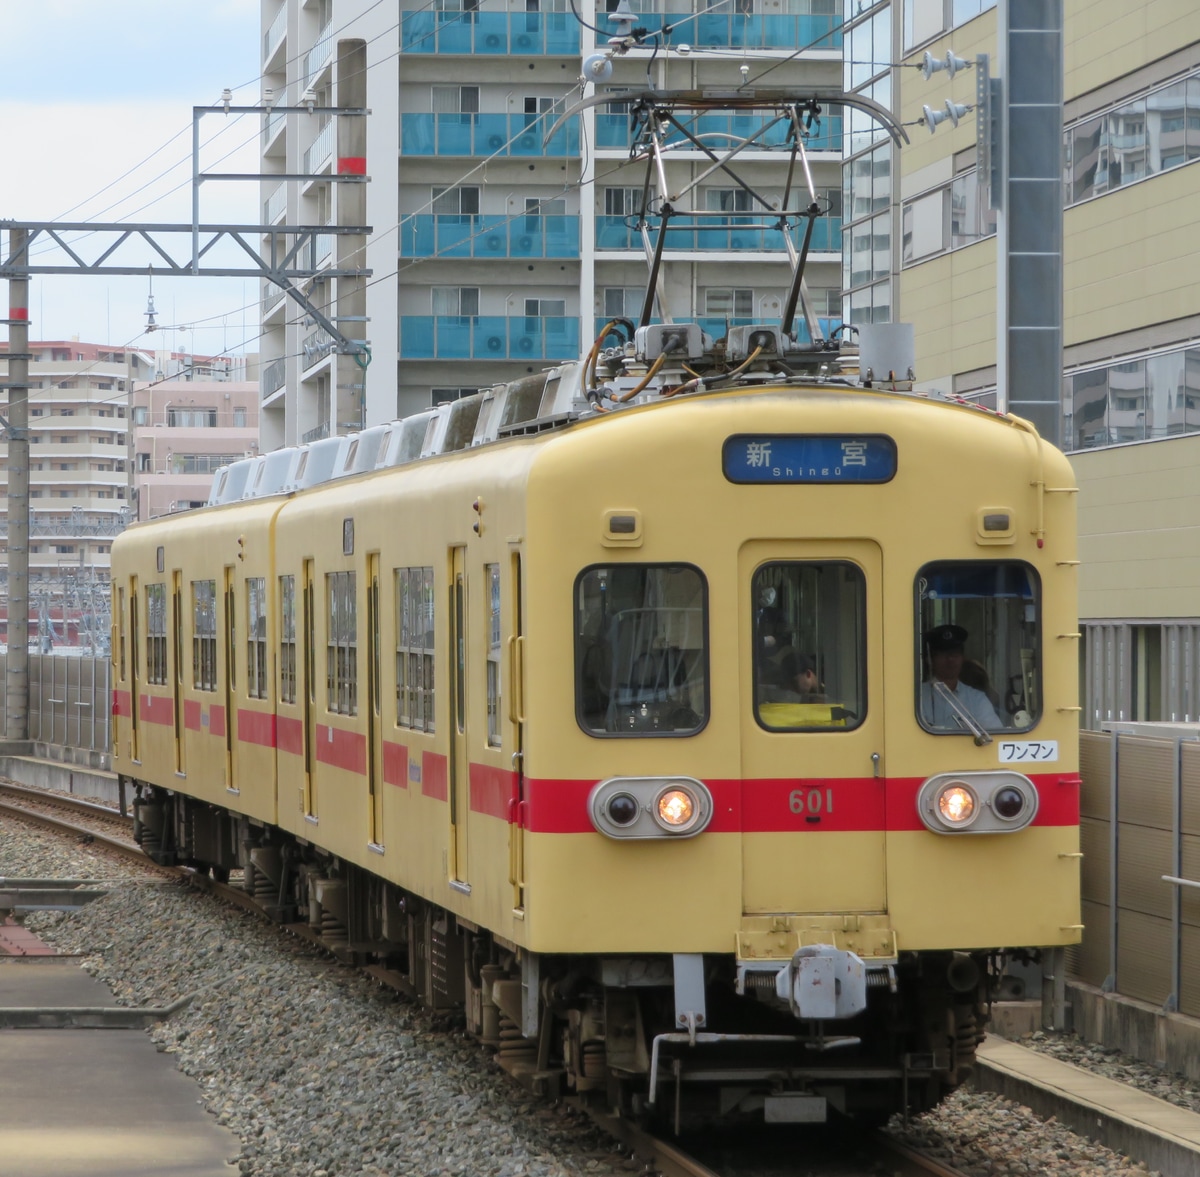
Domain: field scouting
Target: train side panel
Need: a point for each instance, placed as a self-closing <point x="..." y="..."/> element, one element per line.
<point x="419" y="783"/>
<point x="201" y="729"/>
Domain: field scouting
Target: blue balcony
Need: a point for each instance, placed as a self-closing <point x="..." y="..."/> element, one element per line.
<point x="453" y="235"/>
<point x="738" y="235"/>
<point x="744" y="31"/>
<point x="719" y="130"/>
<point x="492" y="33"/>
<point x="724" y="30"/>
<point x="488" y="337"/>
<point x="486" y="135"/>
<point x="718" y="326"/>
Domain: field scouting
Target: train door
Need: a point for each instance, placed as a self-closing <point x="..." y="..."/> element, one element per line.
<point x="374" y="729"/>
<point x="516" y="715"/>
<point x="308" y="688"/>
<point x="135" y="701"/>
<point x="231" y="782"/>
<point x="812" y="727"/>
<point x="177" y="650"/>
<point x="460" y="767"/>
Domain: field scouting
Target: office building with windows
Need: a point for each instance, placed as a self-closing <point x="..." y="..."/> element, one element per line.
<point x="921" y="247"/>
<point x="497" y="247"/>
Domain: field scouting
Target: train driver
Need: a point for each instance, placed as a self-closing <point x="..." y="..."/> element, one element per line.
<point x="944" y="646"/>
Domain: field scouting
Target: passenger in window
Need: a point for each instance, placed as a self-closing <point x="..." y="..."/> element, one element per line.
<point x="945" y="649"/>
<point x="784" y="672"/>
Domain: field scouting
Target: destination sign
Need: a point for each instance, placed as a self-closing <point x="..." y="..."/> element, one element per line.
<point x="754" y="458"/>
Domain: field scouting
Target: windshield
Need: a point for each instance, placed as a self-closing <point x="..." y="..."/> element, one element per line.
<point x="979" y="647"/>
<point x="641" y="660"/>
<point x="809" y="645"/>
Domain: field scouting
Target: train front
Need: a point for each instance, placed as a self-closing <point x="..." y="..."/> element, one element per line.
<point x="803" y="789"/>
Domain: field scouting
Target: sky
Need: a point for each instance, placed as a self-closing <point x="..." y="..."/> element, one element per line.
<point x="95" y="106"/>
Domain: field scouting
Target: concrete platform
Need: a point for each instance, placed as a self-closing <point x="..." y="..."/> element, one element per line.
<point x="1114" y="1114"/>
<point x="95" y="1103"/>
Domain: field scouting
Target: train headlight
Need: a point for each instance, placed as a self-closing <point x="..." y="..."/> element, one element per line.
<point x="956" y="804"/>
<point x="999" y="802"/>
<point x="676" y="809"/>
<point x="650" y="807"/>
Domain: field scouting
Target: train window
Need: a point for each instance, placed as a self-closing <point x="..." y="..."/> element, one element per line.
<point x="979" y="652"/>
<point x="287" y="639"/>
<point x="641" y="650"/>
<point x="341" y="668"/>
<point x="156" y="633"/>
<point x="256" y="637"/>
<point x="491" y="573"/>
<point x="204" y="635"/>
<point x="810" y="648"/>
<point x="414" y="648"/>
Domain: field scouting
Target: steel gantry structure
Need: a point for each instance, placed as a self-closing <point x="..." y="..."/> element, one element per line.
<point x="284" y="255"/>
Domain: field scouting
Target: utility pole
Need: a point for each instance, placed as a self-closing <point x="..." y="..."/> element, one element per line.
<point x="16" y="684"/>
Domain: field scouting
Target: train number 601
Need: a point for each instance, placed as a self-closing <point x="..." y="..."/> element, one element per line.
<point x="811" y="801"/>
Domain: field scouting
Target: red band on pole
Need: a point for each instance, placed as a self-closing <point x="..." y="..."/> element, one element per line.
<point x="18" y="312"/>
<point x="352" y="165"/>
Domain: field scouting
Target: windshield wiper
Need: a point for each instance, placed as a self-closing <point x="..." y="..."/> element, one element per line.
<point x="962" y="714"/>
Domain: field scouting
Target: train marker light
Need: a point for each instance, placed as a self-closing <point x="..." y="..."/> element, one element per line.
<point x="997" y="802"/>
<point x="623" y="809"/>
<point x="1008" y="802"/>
<point x="650" y="807"/>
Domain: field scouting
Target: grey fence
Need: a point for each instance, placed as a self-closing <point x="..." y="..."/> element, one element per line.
<point x="69" y="701"/>
<point x="1140" y="836"/>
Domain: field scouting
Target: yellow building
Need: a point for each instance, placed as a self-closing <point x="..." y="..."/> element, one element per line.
<point x="1131" y="301"/>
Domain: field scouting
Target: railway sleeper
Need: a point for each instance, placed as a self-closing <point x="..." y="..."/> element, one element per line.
<point x="613" y="1031"/>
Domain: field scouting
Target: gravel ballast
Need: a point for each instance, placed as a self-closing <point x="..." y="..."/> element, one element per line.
<point x="322" y="1072"/>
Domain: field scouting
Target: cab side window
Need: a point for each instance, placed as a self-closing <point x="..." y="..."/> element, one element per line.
<point x="979" y="660"/>
<point x="810" y="645"/>
<point x="641" y="650"/>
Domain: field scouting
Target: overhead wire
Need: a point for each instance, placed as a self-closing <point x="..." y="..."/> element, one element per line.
<point x="460" y="181"/>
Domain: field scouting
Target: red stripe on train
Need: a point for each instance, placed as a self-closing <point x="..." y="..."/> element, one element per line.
<point x="433" y="776"/>
<point x="289" y="734"/>
<point x="216" y="719"/>
<point x="157" y="709"/>
<point x="787" y="805"/>
<point x="256" y="727"/>
<point x="492" y="791"/>
<point x="341" y="749"/>
<point x="191" y="715"/>
<point x="395" y="764"/>
<point x="122" y="703"/>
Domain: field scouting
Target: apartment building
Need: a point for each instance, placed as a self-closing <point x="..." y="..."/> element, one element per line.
<point x="921" y="246"/>
<point x="496" y="249"/>
<point x="183" y="431"/>
<point x="81" y="474"/>
<point x="78" y="460"/>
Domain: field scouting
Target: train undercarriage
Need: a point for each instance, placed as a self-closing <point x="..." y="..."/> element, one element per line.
<point x="620" y="1031"/>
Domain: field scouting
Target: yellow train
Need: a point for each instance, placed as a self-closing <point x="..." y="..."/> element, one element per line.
<point x="713" y="751"/>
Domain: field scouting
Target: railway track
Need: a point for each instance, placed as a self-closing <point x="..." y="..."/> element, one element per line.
<point x="106" y="827"/>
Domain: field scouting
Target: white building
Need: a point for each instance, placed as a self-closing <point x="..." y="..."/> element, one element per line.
<point x="494" y="252"/>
